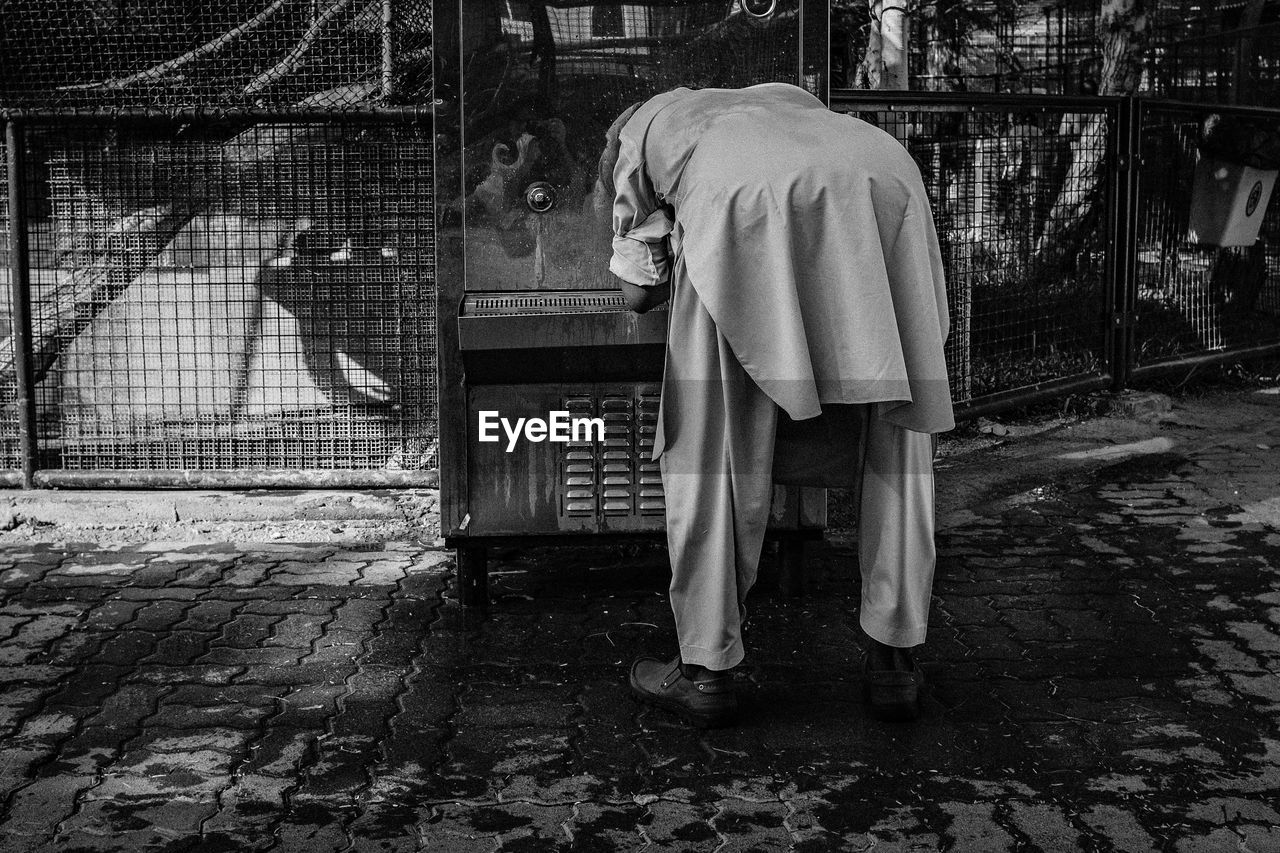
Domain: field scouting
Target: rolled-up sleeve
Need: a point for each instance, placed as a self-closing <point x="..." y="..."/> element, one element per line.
<point x="641" y="225"/>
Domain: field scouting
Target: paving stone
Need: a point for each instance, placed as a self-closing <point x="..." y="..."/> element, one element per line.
<point x="110" y="615"/>
<point x="901" y="829"/>
<point x="251" y="657"/>
<point x="292" y="606"/>
<point x="208" y="615"/>
<point x="973" y="827"/>
<point x="36" y="809"/>
<point x="196" y="673"/>
<point x="26" y="674"/>
<point x="128" y="705"/>
<point x="385" y="827"/>
<point x="160" y="820"/>
<point x="1234" y="809"/>
<point x="178" y="742"/>
<point x="246" y="631"/>
<point x="1046" y="826"/>
<point x="163" y="593"/>
<point x="745" y="825"/>
<point x="1213" y="841"/>
<point x="237" y="716"/>
<point x="316" y="828"/>
<point x="452" y="833"/>
<point x="296" y="674"/>
<point x="1259" y="838"/>
<point x="308" y="705"/>
<point x="1120" y="828"/>
<point x="298" y="631"/>
<point x="127" y="647"/>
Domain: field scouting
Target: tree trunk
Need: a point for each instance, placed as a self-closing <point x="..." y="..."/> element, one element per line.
<point x="1122" y="30"/>
<point x="893" y="44"/>
<point x="944" y="39"/>
<point x="872" y="67"/>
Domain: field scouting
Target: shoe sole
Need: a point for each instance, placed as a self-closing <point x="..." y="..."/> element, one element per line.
<point x="702" y="721"/>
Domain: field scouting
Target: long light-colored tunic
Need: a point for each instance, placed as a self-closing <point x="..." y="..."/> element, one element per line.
<point x="805" y="272"/>
<point x="806" y="234"/>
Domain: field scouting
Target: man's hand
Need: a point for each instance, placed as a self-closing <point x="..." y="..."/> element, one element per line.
<point x="641" y="299"/>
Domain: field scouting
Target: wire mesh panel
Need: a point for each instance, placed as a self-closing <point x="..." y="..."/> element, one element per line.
<point x="1194" y="60"/>
<point x="1208" y="243"/>
<point x="1019" y="200"/>
<point x="175" y="53"/>
<point x="231" y="295"/>
<point x="10" y="457"/>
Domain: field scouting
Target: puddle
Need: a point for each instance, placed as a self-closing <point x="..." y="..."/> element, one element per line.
<point x="1161" y="444"/>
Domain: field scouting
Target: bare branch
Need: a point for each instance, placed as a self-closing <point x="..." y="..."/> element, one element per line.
<point x="207" y="49"/>
<point x="300" y="50"/>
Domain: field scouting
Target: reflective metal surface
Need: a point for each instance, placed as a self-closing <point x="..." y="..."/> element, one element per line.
<point x="538" y="86"/>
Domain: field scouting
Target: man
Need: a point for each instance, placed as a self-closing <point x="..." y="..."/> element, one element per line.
<point x="798" y="251"/>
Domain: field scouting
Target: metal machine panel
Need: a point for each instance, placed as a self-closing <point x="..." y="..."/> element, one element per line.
<point x="586" y="486"/>
<point x="542" y="82"/>
<point x="530" y="320"/>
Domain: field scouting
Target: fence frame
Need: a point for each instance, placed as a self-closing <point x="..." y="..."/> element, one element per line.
<point x="31" y="475"/>
<point x="1192" y="361"/>
<point x="1120" y="286"/>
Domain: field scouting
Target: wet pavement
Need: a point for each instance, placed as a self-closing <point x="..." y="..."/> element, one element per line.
<point x="1103" y="662"/>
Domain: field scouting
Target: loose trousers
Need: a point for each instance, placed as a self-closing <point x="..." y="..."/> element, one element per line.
<point x="716" y="457"/>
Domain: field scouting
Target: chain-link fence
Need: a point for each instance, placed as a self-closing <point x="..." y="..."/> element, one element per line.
<point x="235" y="293"/>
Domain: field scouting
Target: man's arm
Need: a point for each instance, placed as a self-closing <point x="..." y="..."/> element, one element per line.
<point x="641" y="223"/>
<point x="641" y="299"/>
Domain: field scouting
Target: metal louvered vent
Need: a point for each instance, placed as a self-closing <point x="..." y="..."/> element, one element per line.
<point x="613" y="479"/>
<point x="548" y="302"/>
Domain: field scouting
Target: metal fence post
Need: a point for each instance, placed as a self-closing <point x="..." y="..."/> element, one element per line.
<point x="20" y="295"/>
<point x="1124" y="238"/>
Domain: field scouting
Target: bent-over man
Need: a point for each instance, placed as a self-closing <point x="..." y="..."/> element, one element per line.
<point x="798" y="251"/>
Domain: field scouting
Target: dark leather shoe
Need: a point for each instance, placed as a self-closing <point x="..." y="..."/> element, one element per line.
<point x="708" y="700"/>
<point x="892" y="694"/>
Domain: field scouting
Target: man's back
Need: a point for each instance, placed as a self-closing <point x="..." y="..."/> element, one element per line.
<point x="808" y="238"/>
<point x="772" y="134"/>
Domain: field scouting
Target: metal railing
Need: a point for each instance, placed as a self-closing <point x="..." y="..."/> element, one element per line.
<point x="248" y="299"/>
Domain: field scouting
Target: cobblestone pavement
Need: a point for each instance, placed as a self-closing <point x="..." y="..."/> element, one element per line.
<point x="1103" y="662"/>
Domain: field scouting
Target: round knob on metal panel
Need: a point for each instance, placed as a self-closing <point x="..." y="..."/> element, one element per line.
<point x="759" y="8"/>
<point x="540" y="197"/>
